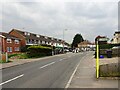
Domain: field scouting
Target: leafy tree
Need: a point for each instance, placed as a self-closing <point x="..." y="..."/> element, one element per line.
<point x="76" y="40"/>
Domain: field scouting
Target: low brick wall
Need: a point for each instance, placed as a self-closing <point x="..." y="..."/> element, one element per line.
<point x="110" y="70"/>
<point x="115" y="52"/>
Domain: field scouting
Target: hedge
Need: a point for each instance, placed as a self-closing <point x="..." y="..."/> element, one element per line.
<point x="39" y="51"/>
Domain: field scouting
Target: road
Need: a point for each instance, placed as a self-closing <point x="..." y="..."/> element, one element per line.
<point x="53" y="72"/>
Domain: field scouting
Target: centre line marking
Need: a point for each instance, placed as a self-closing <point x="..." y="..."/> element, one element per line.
<point x="11" y="79"/>
<point x="47" y="65"/>
<point x="60" y="59"/>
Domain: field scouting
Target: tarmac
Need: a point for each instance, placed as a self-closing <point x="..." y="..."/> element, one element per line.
<point x="85" y="75"/>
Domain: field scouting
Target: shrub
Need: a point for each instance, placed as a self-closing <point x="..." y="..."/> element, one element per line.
<point x="39" y="51"/>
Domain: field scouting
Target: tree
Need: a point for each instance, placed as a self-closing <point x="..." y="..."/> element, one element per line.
<point x="76" y="40"/>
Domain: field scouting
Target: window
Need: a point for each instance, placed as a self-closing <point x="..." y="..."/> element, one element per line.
<point x="46" y="37"/>
<point x="27" y="33"/>
<point x="43" y="42"/>
<point x="16" y="41"/>
<point x="38" y="36"/>
<point x="17" y="49"/>
<point x="9" y="41"/>
<point x="9" y="49"/>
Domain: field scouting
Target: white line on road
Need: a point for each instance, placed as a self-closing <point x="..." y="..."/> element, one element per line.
<point x="47" y="65"/>
<point x="71" y="77"/>
<point x="64" y="58"/>
<point x="60" y="59"/>
<point x="11" y="79"/>
<point x="68" y="84"/>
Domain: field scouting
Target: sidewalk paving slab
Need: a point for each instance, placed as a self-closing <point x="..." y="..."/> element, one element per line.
<point x="85" y="76"/>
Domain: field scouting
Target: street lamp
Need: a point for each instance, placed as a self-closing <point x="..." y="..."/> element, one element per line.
<point x="63" y="38"/>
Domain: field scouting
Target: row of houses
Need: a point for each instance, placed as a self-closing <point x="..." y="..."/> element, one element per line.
<point x="13" y="41"/>
<point x="102" y="40"/>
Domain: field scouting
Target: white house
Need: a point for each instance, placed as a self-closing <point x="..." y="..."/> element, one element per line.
<point x="116" y="38"/>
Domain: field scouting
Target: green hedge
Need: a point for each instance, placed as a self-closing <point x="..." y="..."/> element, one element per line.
<point x="39" y="51"/>
<point x="106" y="46"/>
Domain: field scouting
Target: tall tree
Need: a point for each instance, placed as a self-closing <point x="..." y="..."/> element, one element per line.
<point x="76" y="40"/>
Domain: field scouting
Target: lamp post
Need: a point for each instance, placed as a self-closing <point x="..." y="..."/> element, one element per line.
<point x="63" y="38"/>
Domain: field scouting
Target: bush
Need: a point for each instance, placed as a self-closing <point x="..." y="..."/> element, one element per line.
<point x="106" y="46"/>
<point x="24" y="48"/>
<point x="12" y="55"/>
<point x="39" y="51"/>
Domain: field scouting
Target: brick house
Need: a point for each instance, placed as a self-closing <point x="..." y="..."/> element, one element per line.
<point x="28" y="38"/>
<point x="10" y="43"/>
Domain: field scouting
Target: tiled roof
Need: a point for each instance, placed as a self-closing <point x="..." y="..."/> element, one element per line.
<point x="33" y="36"/>
<point x="8" y="35"/>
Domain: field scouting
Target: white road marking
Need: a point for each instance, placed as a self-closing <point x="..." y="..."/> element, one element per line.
<point x="71" y="77"/>
<point x="11" y="79"/>
<point x="60" y="59"/>
<point x="47" y="65"/>
<point x="68" y="84"/>
<point x="64" y="58"/>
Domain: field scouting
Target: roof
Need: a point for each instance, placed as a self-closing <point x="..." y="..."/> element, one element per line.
<point x="33" y="36"/>
<point x="117" y="32"/>
<point x="7" y="35"/>
<point x="85" y="42"/>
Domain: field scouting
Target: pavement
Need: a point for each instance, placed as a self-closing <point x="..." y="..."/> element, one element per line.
<point x="84" y="76"/>
<point x="15" y="62"/>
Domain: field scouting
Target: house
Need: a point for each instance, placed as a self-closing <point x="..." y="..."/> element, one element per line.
<point x="28" y="38"/>
<point x="86" y="45"/>
<point x="116" y="38"/>
<point x="9" y="43"/>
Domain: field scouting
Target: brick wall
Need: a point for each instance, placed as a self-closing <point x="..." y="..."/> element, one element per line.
<point x="16" y="34"/>
<point x="12" y="45"/>
<point x="115" y="52"/>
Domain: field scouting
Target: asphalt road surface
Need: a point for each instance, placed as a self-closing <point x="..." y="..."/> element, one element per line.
<point x="53" y="72"/>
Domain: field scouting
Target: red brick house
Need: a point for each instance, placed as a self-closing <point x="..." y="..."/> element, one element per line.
<point x="28" y="38"/>
<point x="10" y="43"/>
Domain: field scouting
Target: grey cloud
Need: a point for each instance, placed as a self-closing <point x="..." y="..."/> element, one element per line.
<point x="89" y="19"/>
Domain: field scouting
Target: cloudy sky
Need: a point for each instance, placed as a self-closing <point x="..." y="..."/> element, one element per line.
<point x="52" y="18"/>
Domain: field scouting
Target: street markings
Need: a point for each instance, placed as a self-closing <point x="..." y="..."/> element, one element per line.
<point x="47" y="65"/>
<point x="12" y="79"/>
<point x="68" y="83"/>
<point x="61" y="59"/>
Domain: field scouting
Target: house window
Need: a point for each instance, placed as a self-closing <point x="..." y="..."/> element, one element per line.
<point x="38" y="36"/>
<point x="43" y="42"/>
<point x="9" y="41"/>
<point x="27" y="33"/>
<point x="46" y="37"/>
<point x="9" y="49"/>
<point x="17" y="49"/>
<point x="16" y="41"/>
